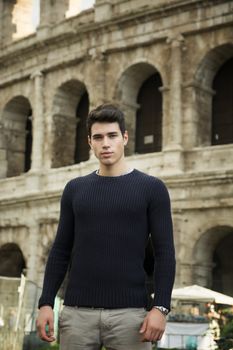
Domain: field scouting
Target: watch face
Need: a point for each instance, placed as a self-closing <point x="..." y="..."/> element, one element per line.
<point x="162" y="309"/>
<point x="165" y="311"/>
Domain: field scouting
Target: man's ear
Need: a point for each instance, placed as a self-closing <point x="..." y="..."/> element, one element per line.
<point x="89" y="141"/>
<point x="126" y="137"/>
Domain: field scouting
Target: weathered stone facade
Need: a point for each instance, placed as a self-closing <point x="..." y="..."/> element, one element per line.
<point x="103" y="54"/>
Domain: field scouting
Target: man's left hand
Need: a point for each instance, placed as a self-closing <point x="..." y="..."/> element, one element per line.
<point x="153" y="326"/>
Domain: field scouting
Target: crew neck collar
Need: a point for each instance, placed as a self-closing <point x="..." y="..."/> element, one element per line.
<point x="114" y="176"/>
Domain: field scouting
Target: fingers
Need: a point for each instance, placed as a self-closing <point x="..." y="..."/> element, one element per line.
<point x="152" y="335"/>
<point x="44" y="324"/>
<point x="50" y="330"/>
<point x="153" y="327"/>
<point x="45" y="333"/>
<point x="143" y="327"/>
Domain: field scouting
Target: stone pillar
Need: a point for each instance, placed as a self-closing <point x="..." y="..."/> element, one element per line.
<point x="103" y="10"/>
<point x="51" y="13"/>
<point x="175" y="108"/>
<point x="38" y="125"/>
<point x="7" y="27"/>
<point x="98" y="64"/>
<point x="197" y="125"/>
<point x="172" y="145"/>
<point x="165" y="108"/>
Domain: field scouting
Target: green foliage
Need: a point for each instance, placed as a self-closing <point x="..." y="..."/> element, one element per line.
<point x="227" y="330"/>
<point x="226" y="340"/>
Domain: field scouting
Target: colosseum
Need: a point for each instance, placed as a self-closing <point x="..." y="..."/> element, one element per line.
<point x="169" y="65"/>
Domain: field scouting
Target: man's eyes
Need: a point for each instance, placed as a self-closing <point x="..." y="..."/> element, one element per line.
<point x="99" y="137"/>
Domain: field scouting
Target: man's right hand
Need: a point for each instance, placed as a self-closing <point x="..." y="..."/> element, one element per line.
<point x="44" y="323"/>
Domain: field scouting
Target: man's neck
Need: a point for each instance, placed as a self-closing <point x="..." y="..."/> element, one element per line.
<point x="113" y="170"/>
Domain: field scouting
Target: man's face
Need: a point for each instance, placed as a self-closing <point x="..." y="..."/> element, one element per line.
<point x="107" y="142"/>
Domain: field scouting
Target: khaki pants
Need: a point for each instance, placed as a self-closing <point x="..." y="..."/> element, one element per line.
<point x="89" y="329"/>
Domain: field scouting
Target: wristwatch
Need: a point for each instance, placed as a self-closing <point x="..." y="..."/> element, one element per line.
<point x="162" y="309"/>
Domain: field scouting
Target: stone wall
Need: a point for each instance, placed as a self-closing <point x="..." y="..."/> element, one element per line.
<point x="107" y="52"/>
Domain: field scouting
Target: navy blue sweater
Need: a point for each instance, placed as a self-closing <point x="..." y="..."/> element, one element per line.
<point x="103" y="230"/>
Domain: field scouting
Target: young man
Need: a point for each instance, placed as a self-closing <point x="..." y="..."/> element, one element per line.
<point x="104" y="224"/>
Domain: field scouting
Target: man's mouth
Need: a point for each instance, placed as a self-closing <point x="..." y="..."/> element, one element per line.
<point x="106" y="153"/>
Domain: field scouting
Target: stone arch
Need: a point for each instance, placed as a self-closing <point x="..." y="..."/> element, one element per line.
<point x="203" y="83"/>
<point x="17" y="136"/>
<point x="212" y="259"/>
<point x="127" y="90"/>
<point x="70" y="109"/>
<point x="12" y="261"/>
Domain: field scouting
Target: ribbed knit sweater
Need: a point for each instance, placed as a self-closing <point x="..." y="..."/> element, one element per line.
<point x="102" y="232"/>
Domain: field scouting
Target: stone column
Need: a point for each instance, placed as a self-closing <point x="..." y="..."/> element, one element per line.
<point x="97" y="64"/>
<point x="51" y="13"/>
<point x="38" y="124"/>
<point x="172" y="146"/>
<point x="175" y="108"/>
<point x="197" y="126"/>
<point x="7" y="27"/>
<point x="165" y="123"/>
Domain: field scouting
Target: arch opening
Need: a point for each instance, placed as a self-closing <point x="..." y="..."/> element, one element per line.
<point x="149" y="116"/>
<point x="138" y="91"/>
<point x="210" y="96"/>
<point x="81" y="144"/>
<point x="213" y="260"/>
<point x="17" y="136"/>
<point x="12" y="262"/>
<point x="222" y="105"/>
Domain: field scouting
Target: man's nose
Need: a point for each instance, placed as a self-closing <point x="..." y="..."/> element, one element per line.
<point x="105" y="142"/>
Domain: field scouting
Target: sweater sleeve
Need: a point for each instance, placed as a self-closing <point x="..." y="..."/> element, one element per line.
<point x="60" y="253"/>
<point x="161" y="230"/>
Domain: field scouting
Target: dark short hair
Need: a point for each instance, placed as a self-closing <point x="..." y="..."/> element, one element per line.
<point x="106" y="113"/>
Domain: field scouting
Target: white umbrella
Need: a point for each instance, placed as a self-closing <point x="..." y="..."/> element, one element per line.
<point x="198" y="293"/>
